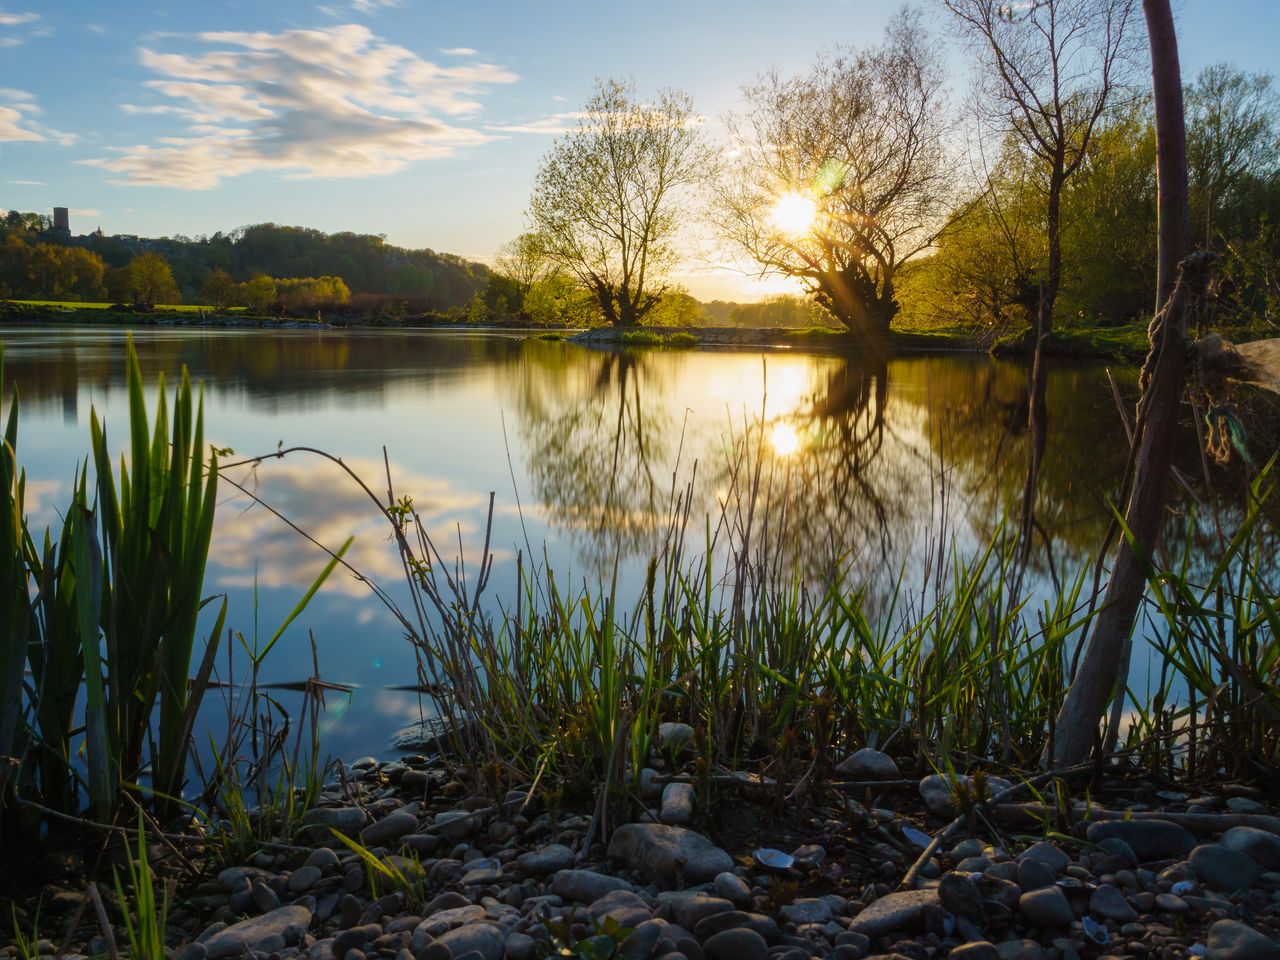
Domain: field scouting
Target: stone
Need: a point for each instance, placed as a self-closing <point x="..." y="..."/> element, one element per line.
<point x="585" y="886"/>
<point x="240" y="938"/>
<point x="319" y="821"/>
<point x="449" y="900"/>
<point x="323" y="859"/>
<point x="677" y="804"/>
<point x="1262" y="845"/>
<point x="354" y="939"/>
<point x="1048" y="907"/>
<point x="546" y="861"/>
<point x="1109" y="903"/>
<point x="868" y="764"/>
<point x="1245" y="805"/>
<point x="1170" y="903"/>
<point x="807" y="910"/>
<point x="674" y="738"/>
<point x="1233" y="940"/>
<point x="1149" y="839"/>
<point x="689" y="907"/>
<point x="232" y="879"/>
<point x="388" y="830"/>
<point x="663" y="854"/>
<point x="1047" y="854"/>
<point x="264" y="898"/>
<point x="626" y="908"/>
<point x="640" y="943"/>
<point x="455" y="824"/>
<point x="740" y="944"/>
<point x="1034" y="875"/>
<point x="1118" y="848"/>
<point x="733" y="888"/>
<point x="938" y="793"/>
<point x="767" y="927"/>
<point x="1020" y="950"/>
<point x="960" y="896"/>
<point x="303" y="879"/>
<point x="486" y="939"/>
<point x="897" y="911"/>
<point x="521" y="946"/>
<point x="809" y="856"/>
<point x="977" y="950"/>
<point x="435" y="950"/>
<point x="1219" y="867"/>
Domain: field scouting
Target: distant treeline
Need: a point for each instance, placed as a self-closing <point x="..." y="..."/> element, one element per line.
<point x="38" y="263"/>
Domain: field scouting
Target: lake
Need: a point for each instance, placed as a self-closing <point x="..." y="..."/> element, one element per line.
<point x="585" y="451"/>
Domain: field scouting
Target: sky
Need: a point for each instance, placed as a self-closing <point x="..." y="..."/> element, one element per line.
<point x="422" y="120"/>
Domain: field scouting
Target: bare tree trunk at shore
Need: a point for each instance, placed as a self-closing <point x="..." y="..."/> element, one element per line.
<point x="1104" y="668"/>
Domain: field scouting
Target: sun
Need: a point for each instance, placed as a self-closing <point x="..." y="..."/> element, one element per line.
<point x="784" y="439"/>
<point x="794" y="213"/>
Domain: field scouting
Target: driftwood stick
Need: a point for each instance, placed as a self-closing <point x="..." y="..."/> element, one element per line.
<point x="1195" y="822"/>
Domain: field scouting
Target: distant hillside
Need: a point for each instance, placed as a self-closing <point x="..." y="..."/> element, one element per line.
<point x="368" y="264"/>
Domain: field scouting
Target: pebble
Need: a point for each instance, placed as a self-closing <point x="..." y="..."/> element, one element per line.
<point x="486" y="939"/>
<point x="677" y="804"/>
<point x="664" y="854"/>
<point x="1109" y="903"/>
<point x="1034" y="875"/>
<point x="244" y="936"/>
<point x="1148" y="839"/>
<point x="868" y="764"/>
<point x="1262" y="845"/>
<point x="1221" y="868"/>
<point x="897" y="911"/>
<point x="733" y="888"/>
<point x="977" y="950"/>
<point x="1232" y="940"/>
<point x="1048" y="907"/>
<point x="545" y="861"/>
<point x="388" y="829"/>
<point x="585" y="886"/>
<point x="739" y="944"/>
<point x="1047" y="854"/>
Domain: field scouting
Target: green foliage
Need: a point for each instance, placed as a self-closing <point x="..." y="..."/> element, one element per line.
<point x="601" y="943"/>
<point x="641" y="338"/>
<point x="146" y="918"/>
<point x="780" y="310"/>
<point x="151" y="281"/>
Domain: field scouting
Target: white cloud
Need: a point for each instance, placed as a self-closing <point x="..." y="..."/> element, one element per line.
<point x="27" y="183"/>
<point x="16" y="38"/>
<point x="17" y="19"/>
<point x="84" y="212"/>
<point x="18" y="123"/>
<point x="556" y="123"/>
<point x="333" y="102"/>
<point x="458" y="51"/>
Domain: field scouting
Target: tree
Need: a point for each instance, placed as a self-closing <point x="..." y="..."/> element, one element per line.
<point x="523" y="262"/>
<point x="1231" y="137"/>
<point x="258" y="293"/>
<point x="678" y="308"/>
<point x="151" y="281"/>
<point x="1047" y="74"/>
<point x="218" y="289"/>
<point x="610" y="196"/>
<point x="841" y="176"/>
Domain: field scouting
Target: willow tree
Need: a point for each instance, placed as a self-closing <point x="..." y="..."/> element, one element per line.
<point x="840" y="176"/>
<point x="1046" y="73"/>
<point x="610" y="196"/>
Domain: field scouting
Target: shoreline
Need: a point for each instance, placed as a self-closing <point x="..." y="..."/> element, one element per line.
<point x="724" y="868"/>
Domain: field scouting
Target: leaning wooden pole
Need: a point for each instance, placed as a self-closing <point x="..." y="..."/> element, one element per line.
<point x="1104" y="666"/>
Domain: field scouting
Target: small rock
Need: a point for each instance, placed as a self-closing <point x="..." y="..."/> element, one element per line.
<point x="585" y="886"/>
<point x="1047" y="854"/>
<point x="264" y="898"/>
<point x="1245" y="805"/>
<point x="626" y="908"/>
<point x="1034" y="875"/>
<point x="544" y="862"/>
<point x="807" y="910"/>
<point x="733" y="888"/>
<point x="1149" y="839"/>
<point x="319" y="821"/>
<point x="1232" y="940"/>
<point x="740" y="944"/>
<point x="1262" y="845"/>
<point x="641" y="941"/>
<point x="897" y="911"/>
<point x="244" y="936"/>
<point x="1048" y="907"/>
<point x="486" y="939"/>
<point x="767" y="927"/>
<point x="959" y="896"/>
<point x="388" y="830"/>
<point x="977" y="950"/>
<point x="661" y="853"/>
<point x="1109" y="903"/>
<point x="1170" y="903"/>
<point x="1221" y="868"/>
<point x="521" y="947"/>
<point x="809" y="856"/>
<point x="677" y="804"/>
<point x="868" y="764"/>
<point x="675" y="738"/>
<point x="303" y="879"/>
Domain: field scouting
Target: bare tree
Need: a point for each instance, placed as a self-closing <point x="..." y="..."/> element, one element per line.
<point x="607" y="201"/>
<point x="1047" y="74"/>
<point x="839" y="177"/>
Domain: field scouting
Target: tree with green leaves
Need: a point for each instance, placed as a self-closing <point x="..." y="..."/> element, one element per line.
<point x="611" y="195"/>
<point x="218" y="289"/>
<point x="151" y="281"/>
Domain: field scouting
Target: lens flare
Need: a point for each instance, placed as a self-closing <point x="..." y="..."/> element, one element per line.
<point x="794" y="213"/>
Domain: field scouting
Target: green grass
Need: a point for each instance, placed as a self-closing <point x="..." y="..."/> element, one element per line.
<point x="651" y="339"/>
<point x="1120" y="343"/>
<point x="77" y="305"/>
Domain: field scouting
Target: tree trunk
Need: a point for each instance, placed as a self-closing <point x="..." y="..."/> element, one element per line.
<point x="1104" y="667"/>
<point x="1053" y="230"/>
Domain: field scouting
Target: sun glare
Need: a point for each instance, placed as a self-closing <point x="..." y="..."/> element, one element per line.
<point x="794" y="213"/>
<point x="784" y="439"/>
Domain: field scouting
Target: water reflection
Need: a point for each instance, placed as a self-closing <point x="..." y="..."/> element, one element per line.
<point x="856" y="461"/>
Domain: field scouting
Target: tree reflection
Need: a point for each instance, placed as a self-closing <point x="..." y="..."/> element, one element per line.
<point x="602" y="453"/>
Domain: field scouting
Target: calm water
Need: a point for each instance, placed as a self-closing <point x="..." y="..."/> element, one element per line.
<point x="583" y="450"/>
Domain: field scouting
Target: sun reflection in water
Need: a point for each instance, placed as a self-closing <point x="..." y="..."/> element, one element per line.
<point x="784" y="439"/>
